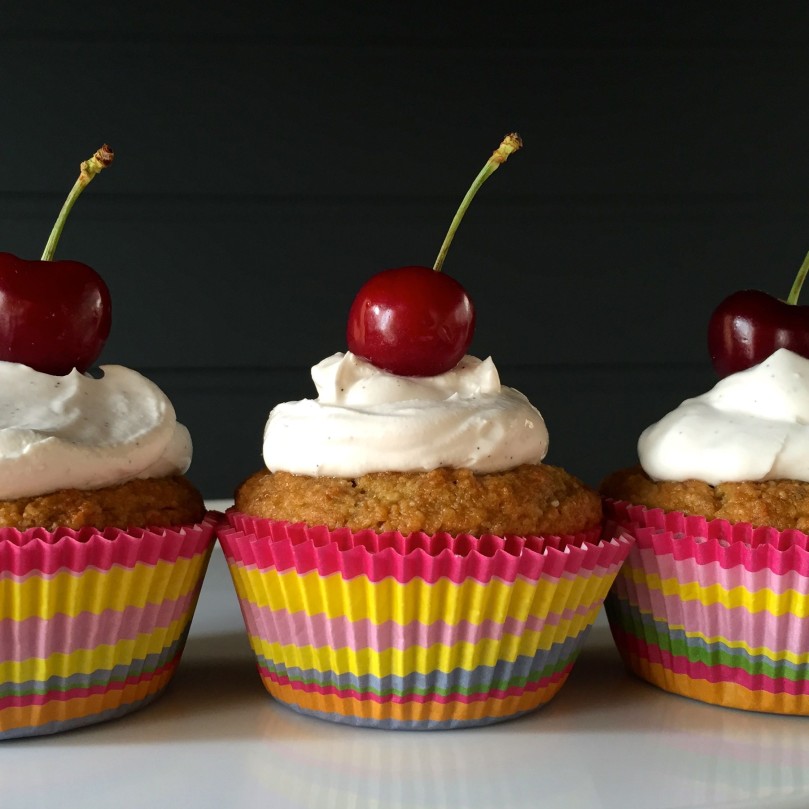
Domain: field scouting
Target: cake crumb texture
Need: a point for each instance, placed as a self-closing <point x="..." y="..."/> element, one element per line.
<point x="530" y="499"/>
<point x="138" y="503"/>
<point x="782" y="504"/>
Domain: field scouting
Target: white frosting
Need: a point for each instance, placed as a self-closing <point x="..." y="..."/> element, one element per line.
<point x="76" y="431"/>
<point x="752" y="425"/>
<point x="369" y="420"/>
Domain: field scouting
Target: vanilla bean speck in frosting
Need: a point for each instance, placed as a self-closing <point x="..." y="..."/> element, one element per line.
<point x="80" y="432"/>
<point x="368" y="420"/>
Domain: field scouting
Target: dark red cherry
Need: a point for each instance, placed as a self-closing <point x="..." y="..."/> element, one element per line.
<point x="54" y="315"/>
<point x="411" y="321"/>
<point x="749" y="325"/>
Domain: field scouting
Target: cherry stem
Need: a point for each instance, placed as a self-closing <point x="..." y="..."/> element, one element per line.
<point x="798" y="283"/>
<point x="499" y="156"/>
<point x="89" y="168"/>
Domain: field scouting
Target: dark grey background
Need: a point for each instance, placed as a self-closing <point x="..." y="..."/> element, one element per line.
<point x="271" y="156"/>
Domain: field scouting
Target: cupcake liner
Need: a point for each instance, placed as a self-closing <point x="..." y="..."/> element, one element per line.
<point x="418" y="631"/>
<point x="714" y="611"/>
<point x="93" y="622"/>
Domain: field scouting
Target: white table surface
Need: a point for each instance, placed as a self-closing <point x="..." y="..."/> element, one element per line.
<point x="216" y="739"/>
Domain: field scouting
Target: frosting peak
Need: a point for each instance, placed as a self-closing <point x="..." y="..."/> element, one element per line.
<point x="369" y="420"/>
<point x="752" y="425"/>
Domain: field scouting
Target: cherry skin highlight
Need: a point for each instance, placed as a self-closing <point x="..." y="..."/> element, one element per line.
<point x="54" y="315"/>
<point x="411" y="321"/>
<point x="749" y="325"/>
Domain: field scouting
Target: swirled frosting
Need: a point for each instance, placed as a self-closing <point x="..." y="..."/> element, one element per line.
<point x="368" y="420"/>
<point x="752" y="425"/>
<point x="80" y="432"/>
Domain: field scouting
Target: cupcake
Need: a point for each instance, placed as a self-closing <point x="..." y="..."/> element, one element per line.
<point x="103" y="546"/>
<point x="711" y="603"/>
<point x="103" y="542"/>
<point x="405" y="560"/>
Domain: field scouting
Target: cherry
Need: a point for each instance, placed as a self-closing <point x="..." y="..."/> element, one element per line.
<point x="411" y="321"/>
<point x="417" y="321"/>
<point x="749" y="325"/>
<point x="55" y="315"/>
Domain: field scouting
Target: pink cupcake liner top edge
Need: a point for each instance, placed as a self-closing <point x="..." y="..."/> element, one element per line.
<point x="707" y="541"/>
<point x="22" y="552"/>
<point x="405" y="557"/>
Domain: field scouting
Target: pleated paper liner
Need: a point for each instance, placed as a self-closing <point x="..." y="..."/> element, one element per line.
<point x="93" y="622"/>
<point x="417" y="632"/>
<point x="714" y="611"/>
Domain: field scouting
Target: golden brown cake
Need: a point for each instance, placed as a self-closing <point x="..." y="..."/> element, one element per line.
<point x="782" y="504"/>
<point x="528" y="500"/>
<point x="146" y="502"/>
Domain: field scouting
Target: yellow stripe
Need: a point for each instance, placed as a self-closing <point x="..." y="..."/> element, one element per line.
<point x="765" y="599"/>
<point x="389" y="600"/>
<point x="86" y="661"/>
<point x="98" y="590"/>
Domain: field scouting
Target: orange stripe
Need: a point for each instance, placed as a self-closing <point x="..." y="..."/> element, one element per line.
<point x="422" y="711"/>
<point x="79" y="707"/>
<point x="729" y="695"/>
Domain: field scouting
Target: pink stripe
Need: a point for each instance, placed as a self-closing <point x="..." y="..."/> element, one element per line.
<point x="785" y="633"/>
<point x="41" y="637"/>
<point x="712" y="674"/>
<point x="441" y="699"/>
<point x="300" y="629"/>
<point x="708" y="573"/>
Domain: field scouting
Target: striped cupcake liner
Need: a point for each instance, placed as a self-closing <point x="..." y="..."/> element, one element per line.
<point x="415" y="632"/>
<point x="93" y="622"/>
<point x="714" y="611"/>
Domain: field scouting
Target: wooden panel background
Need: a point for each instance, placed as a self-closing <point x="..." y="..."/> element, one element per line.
<point x="270" y="157"/>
